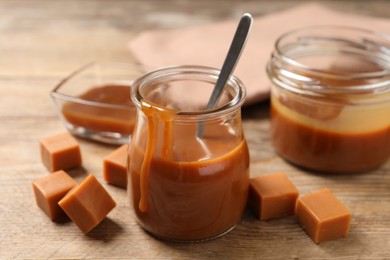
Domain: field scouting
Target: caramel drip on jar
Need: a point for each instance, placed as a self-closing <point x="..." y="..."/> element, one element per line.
<point x="155" y="114"/>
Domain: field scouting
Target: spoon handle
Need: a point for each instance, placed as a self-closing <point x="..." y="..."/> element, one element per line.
<point x="231" y="59"/>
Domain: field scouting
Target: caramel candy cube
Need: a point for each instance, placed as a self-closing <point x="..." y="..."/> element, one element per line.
<point x="87" y="204"/>
<point x="115" y="167"/>
<point x="50" y="189"/>
<point x="60" y="152"/>
<point x="323" y="216"/>
<point x="272" y="196"/>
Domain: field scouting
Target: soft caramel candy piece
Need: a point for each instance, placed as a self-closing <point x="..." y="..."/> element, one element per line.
<point x="87" y="204"/>
<point x="60" y="152"/>
<point x="322" y="215"/>
<point x="272" y="196"/>
<point x="115" y="167"/>
<point x="50" y="189"/>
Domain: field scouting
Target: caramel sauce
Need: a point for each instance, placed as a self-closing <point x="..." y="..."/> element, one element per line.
<point x="332" y="133"/>
<point x="103" y="118"/>
<point x="180" y="189"/>
<point x="325" y="150"/>
<point x="154" y="114"/>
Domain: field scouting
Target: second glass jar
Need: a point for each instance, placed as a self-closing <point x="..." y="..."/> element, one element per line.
<point x="330" y="98"/>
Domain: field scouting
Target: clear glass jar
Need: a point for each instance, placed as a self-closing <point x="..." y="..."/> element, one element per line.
<point x="330" y="98"/>
<point x="188" y="167"/>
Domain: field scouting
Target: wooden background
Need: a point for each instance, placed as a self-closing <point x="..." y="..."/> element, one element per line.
<point x="42" y="41"/>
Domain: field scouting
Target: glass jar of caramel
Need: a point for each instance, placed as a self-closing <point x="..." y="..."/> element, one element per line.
<point x="330" y="98"/>
<point x="188" y="166"/>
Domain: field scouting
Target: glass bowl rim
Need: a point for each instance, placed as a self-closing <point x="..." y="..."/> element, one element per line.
<point x="56" y="94"/>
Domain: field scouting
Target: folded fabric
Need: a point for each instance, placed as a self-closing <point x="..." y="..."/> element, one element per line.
<point x="207" y="45"/>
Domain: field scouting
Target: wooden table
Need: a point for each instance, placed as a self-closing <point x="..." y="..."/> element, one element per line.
<point x="42" y="41"/>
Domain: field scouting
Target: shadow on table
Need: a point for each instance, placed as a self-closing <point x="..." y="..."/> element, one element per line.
<point x="281" y="238"/>
<point x="78" y="172"/>
<point x="106" y="231"/>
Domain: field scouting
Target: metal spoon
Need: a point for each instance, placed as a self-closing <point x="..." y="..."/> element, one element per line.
<point x="230" y="62"/>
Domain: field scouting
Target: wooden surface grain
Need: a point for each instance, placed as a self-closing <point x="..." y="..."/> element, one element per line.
<point x="42" y="41"/>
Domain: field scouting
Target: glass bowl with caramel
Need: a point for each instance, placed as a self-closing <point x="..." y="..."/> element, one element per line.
<point x="330" y="98"/>
<point x="94" y="101"/>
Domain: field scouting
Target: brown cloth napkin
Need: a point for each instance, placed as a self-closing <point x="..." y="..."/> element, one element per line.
<point x="207" y="45"/>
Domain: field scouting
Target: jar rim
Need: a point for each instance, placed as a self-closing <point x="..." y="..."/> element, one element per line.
<point x="365" y="43"/>
<point x="236" y="101"/>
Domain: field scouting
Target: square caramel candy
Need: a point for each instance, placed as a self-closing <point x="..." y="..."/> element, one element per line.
<point x="60" y="152"/>
<point x="115" y="167"/>
<point x="50" y="189"/>
<point x="322" y="216"/>
<point x="272" y="196"/>
<point x="87" y="204"/>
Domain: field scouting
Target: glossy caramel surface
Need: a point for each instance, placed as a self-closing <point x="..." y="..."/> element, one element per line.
<point x="100" y="117"/>
<point x="331" y="141"/>
<point x="186" y="187"/>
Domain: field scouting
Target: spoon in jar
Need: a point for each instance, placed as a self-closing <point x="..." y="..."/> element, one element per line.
<point x="230" y="62"/>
